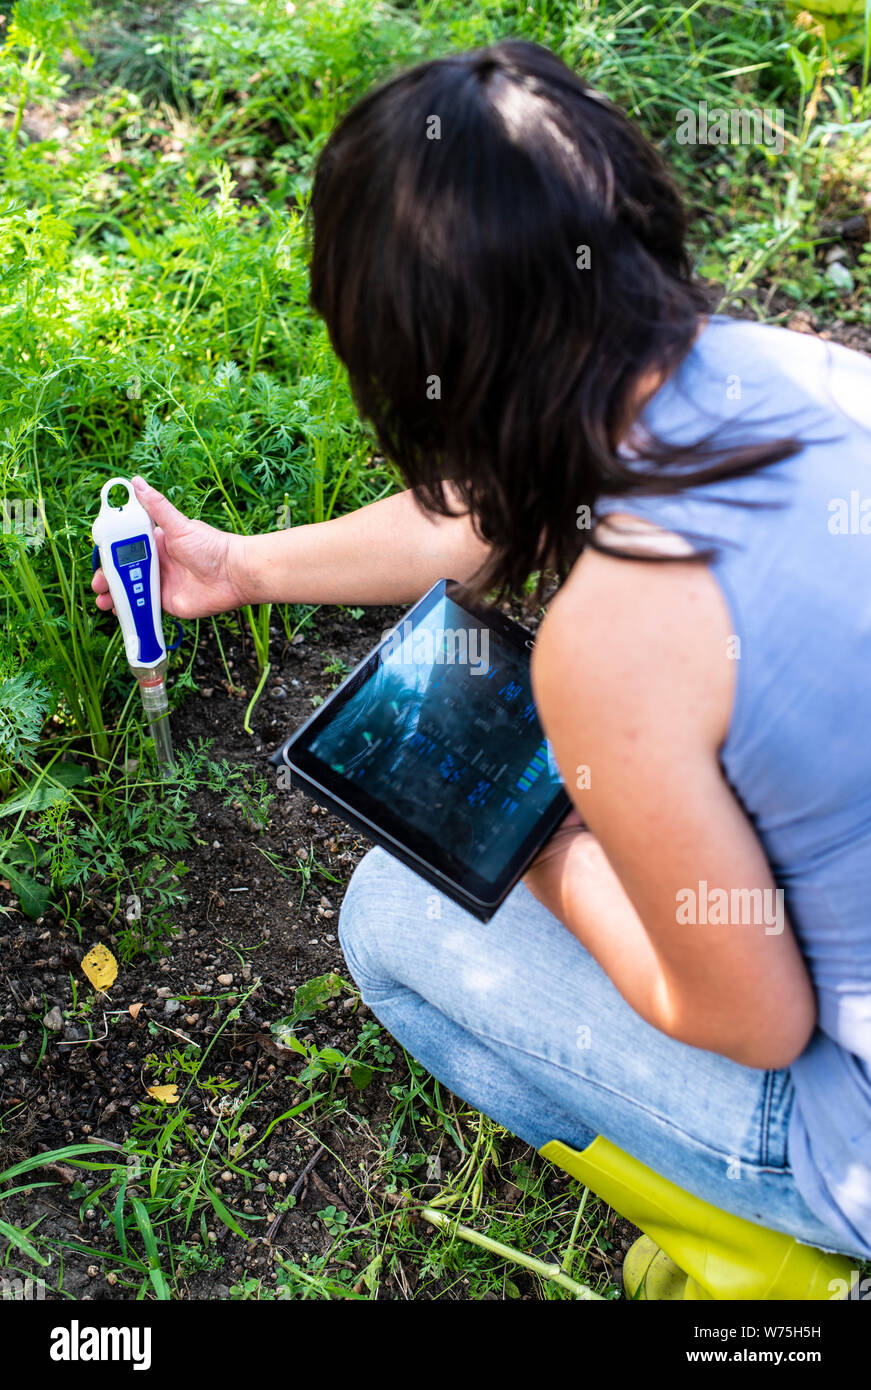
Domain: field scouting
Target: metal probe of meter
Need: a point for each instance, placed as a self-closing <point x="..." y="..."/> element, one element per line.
<point x="124" y="537"/>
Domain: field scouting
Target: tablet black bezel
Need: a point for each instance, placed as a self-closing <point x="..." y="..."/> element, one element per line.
<point x="420" y="850"/>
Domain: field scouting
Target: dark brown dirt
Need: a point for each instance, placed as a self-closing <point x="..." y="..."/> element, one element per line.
<point x="242" y="919"/>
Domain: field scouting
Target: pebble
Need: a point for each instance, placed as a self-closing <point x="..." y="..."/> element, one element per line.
<point x="840" y="276"/>
<point x="172" y="1006"/>
<point x="225" y="979"/>
<point x="855" y="227"/>
<point x="54" y="1020"/>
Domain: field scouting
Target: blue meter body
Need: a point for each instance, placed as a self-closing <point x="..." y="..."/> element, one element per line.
<point x="133" y="560"/>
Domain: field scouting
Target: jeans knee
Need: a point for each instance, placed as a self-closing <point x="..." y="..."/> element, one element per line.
<point x="364" y="915"/>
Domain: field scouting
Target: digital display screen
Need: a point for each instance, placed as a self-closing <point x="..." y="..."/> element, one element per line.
<point x="131" y="553"/>
<point x="444" y="735"/>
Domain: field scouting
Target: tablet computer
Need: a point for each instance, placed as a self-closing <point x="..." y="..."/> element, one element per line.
<point x="432" y="748"/>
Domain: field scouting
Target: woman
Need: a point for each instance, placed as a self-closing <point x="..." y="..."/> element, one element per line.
<point x="676" y="1003"/>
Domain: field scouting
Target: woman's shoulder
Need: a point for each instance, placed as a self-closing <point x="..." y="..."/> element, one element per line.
<point x="762" y="365"/>
<point x="745" y="384"/>
<point x="643" y="639"/>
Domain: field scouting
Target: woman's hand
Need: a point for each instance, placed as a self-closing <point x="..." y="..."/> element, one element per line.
<point x="201" y="567"/>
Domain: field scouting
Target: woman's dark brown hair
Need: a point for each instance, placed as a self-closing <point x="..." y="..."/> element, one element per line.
<point x="499" y="256"/>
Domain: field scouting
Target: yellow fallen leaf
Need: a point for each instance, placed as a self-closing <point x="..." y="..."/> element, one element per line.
<point x="134" y="1010"/>
<point x="100" y="966"/>
<point x="168" y="1094"/>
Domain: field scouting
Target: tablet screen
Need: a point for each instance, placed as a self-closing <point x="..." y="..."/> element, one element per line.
<point x="444" y="735"/>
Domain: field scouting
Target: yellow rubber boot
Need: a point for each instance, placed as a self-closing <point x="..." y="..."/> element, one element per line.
<point x="648" y="1273"/>
<point x="721" y="1256"/>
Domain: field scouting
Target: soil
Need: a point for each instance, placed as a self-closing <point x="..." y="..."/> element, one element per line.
<point x="239" y="909"/>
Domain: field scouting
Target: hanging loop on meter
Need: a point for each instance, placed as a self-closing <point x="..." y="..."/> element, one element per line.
<point x="117" y="482"/>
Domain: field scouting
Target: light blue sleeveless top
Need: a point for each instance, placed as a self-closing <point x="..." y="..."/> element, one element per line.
<point x="797" y="580"/>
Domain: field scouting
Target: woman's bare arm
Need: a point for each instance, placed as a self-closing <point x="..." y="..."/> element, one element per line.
<point x="388" y="552"/>
<point x="633" y="682"/>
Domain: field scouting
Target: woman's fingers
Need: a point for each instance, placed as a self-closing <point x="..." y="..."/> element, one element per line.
<point x="100" y="586"/>
<point x="159" y="508"/>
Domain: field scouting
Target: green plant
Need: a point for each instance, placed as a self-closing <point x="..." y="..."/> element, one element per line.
<point x="35" y="39"/>
<point x="306" y="865"/>
<point x="336" y="1221"/>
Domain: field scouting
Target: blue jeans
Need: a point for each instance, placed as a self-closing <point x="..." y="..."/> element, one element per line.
<point x="516" y="1018"/>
